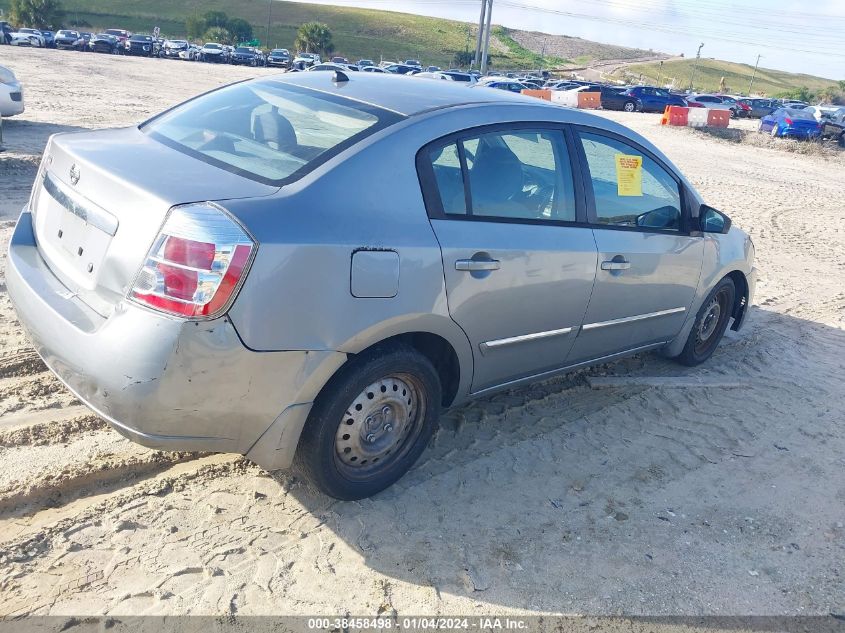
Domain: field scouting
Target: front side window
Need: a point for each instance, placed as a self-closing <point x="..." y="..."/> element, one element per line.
<point x="519" y="174"/>
<point x="266" y="130"/>
<point x="629" y="188"/>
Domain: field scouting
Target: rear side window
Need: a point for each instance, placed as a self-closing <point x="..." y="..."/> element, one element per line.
<point x="629" y="188"/>
<point x="267" y="130"/>
<point x="518" y="175"/>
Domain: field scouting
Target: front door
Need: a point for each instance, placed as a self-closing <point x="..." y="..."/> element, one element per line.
<point x="518" y="270"/>
<point x="648" y="263"/>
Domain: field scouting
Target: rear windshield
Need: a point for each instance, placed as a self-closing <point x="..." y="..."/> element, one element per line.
<point x="799" y="114"/>
<point x="266" y="130"/>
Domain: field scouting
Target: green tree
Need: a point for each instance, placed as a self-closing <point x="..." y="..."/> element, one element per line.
<point x="841" y="83"/>
<point x="463" y="58"/>
<point x="195" y="27"/>
<point x="314" y="37"/>
<point x="37" y="14"/>
<point x="240" y="29"/>
<point x="218" y="34"/>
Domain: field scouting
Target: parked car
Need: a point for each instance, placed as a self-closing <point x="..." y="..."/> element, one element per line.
<point x="738" y="108"/>
<point x="794" y="104"/>
<point x="400" y="69"/>
<point x="6" y="31"/>
<point x="339" y="60"/>
<point x="139" y="44"/>
<point x="332" y="67"/>
<point x="213" y="52"/>
<point x="246" y="55"/>
<point x="104" y="43"/>
<point x="11" y="93"/>
<point x="413" y="62"/>
<point x="49" y="38"/>
<point x="85" y="40"/>
<point x="191" y="54"/>
<point x="613" y="97"/>
<point x="272" y="319"/>
<point x="67" y="39"/>
<point x="759" y="107"/>
<point x="712" y="102"/>
<point x="121" y="34"/>
<point x="463" y="77"/>
<point x="307" y="59"/>
<point x="433" y="69"/>
<point x="362" y="63"/>
<point x="279" y="57"/>
<point x="826" y="113"/>
<point x="28" y="37"/>
<point x="372" y="69"/>
<point x="791" y="122"/>
<point x="503" y="84"/>
<point x="171" y="48"/>
<point x="649" y="99"/>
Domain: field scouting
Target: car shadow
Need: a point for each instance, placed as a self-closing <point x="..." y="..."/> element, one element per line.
<point x="632" y="499"/>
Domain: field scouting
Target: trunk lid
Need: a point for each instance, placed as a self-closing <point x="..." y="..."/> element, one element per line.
<point x="100" y="199"/>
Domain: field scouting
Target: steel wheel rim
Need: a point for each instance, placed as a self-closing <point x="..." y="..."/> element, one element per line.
<point x="708" y="325"/>
<point x="379" y="426"/>
<point x="629" y="107"/>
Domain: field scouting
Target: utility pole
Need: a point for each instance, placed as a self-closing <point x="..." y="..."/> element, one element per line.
<point x="754" y="74"/>
<point x="659" y="72"/>
<point x="269" y="14"/>
<point x="480" y="33"/>
<point x="695" y="66"/>
<point x="485" y="54"/>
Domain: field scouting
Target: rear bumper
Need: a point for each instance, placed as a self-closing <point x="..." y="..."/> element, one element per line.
<point x="164" y="383"/>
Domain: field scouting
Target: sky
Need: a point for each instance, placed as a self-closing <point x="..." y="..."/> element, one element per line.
<point x="804" y="37"/>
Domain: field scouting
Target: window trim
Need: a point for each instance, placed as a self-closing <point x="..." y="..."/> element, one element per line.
<point x="592" y="216"/>
<point x="431" y="194"/>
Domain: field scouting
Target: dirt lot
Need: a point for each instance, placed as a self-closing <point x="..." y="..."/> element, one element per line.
<point x="644" y="498"/>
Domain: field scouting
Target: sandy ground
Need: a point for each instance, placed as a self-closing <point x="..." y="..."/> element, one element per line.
<point x="640" y="498"/>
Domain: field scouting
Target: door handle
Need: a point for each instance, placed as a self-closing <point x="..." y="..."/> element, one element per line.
<point x="477" y="264"/>
<point x="615" y="265"/>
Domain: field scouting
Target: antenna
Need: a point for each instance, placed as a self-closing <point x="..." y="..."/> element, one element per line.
<point x="340" y="77"/>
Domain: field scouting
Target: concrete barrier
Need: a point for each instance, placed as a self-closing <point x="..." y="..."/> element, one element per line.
<point x="695" y="117"/>
<point x="539" y="94"/>
<point x="589" y="100"/>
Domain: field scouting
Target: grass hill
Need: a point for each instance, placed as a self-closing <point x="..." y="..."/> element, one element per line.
<point x="709" y="73"/>
<point x="357" y="33"/>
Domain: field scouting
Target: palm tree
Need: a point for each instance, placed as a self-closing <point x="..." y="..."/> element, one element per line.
<point x="314" y="37"/>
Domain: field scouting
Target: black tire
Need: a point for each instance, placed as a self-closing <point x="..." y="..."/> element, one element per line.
<point x="710" y="324"/>
<point x="389" y="400"/>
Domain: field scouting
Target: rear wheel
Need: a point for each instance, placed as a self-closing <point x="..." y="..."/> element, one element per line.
<point x="710" y="324"/>
<point x="630" y="106"/>
<point x="370" y="423"/>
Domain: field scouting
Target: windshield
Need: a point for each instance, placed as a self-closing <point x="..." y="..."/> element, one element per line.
<point x="266" y="130"/>
<point x="212" y="46"/>
<point x="242" y="50"/>
<point x="141" y="38"/>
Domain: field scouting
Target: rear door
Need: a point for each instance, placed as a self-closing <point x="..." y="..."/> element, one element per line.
<point x="648" y="262"/>
<point x="518" y="258"/>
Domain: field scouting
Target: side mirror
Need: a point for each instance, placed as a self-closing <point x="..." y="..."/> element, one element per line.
<point x="712" y="220"/>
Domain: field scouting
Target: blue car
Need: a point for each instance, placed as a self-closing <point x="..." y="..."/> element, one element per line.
<point x="785" y="122"/>
<point x="649" y="99"/>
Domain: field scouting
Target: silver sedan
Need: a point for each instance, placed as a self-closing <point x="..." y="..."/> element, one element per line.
<point x="310" y="267"/>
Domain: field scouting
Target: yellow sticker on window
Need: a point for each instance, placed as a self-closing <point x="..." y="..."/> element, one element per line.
<point x="629" y="175"/>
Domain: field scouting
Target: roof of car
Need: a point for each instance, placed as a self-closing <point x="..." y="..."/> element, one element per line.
<point x="401" y="94"/>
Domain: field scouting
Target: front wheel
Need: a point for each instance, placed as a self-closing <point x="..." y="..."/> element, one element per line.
<point x="370" y="423"/>
<point x="630" y="106"/>
<point x="710" y="324"/>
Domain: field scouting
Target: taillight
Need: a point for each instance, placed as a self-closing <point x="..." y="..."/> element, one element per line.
<point x="788" y="121"/>
<point x="196" y="264"/>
